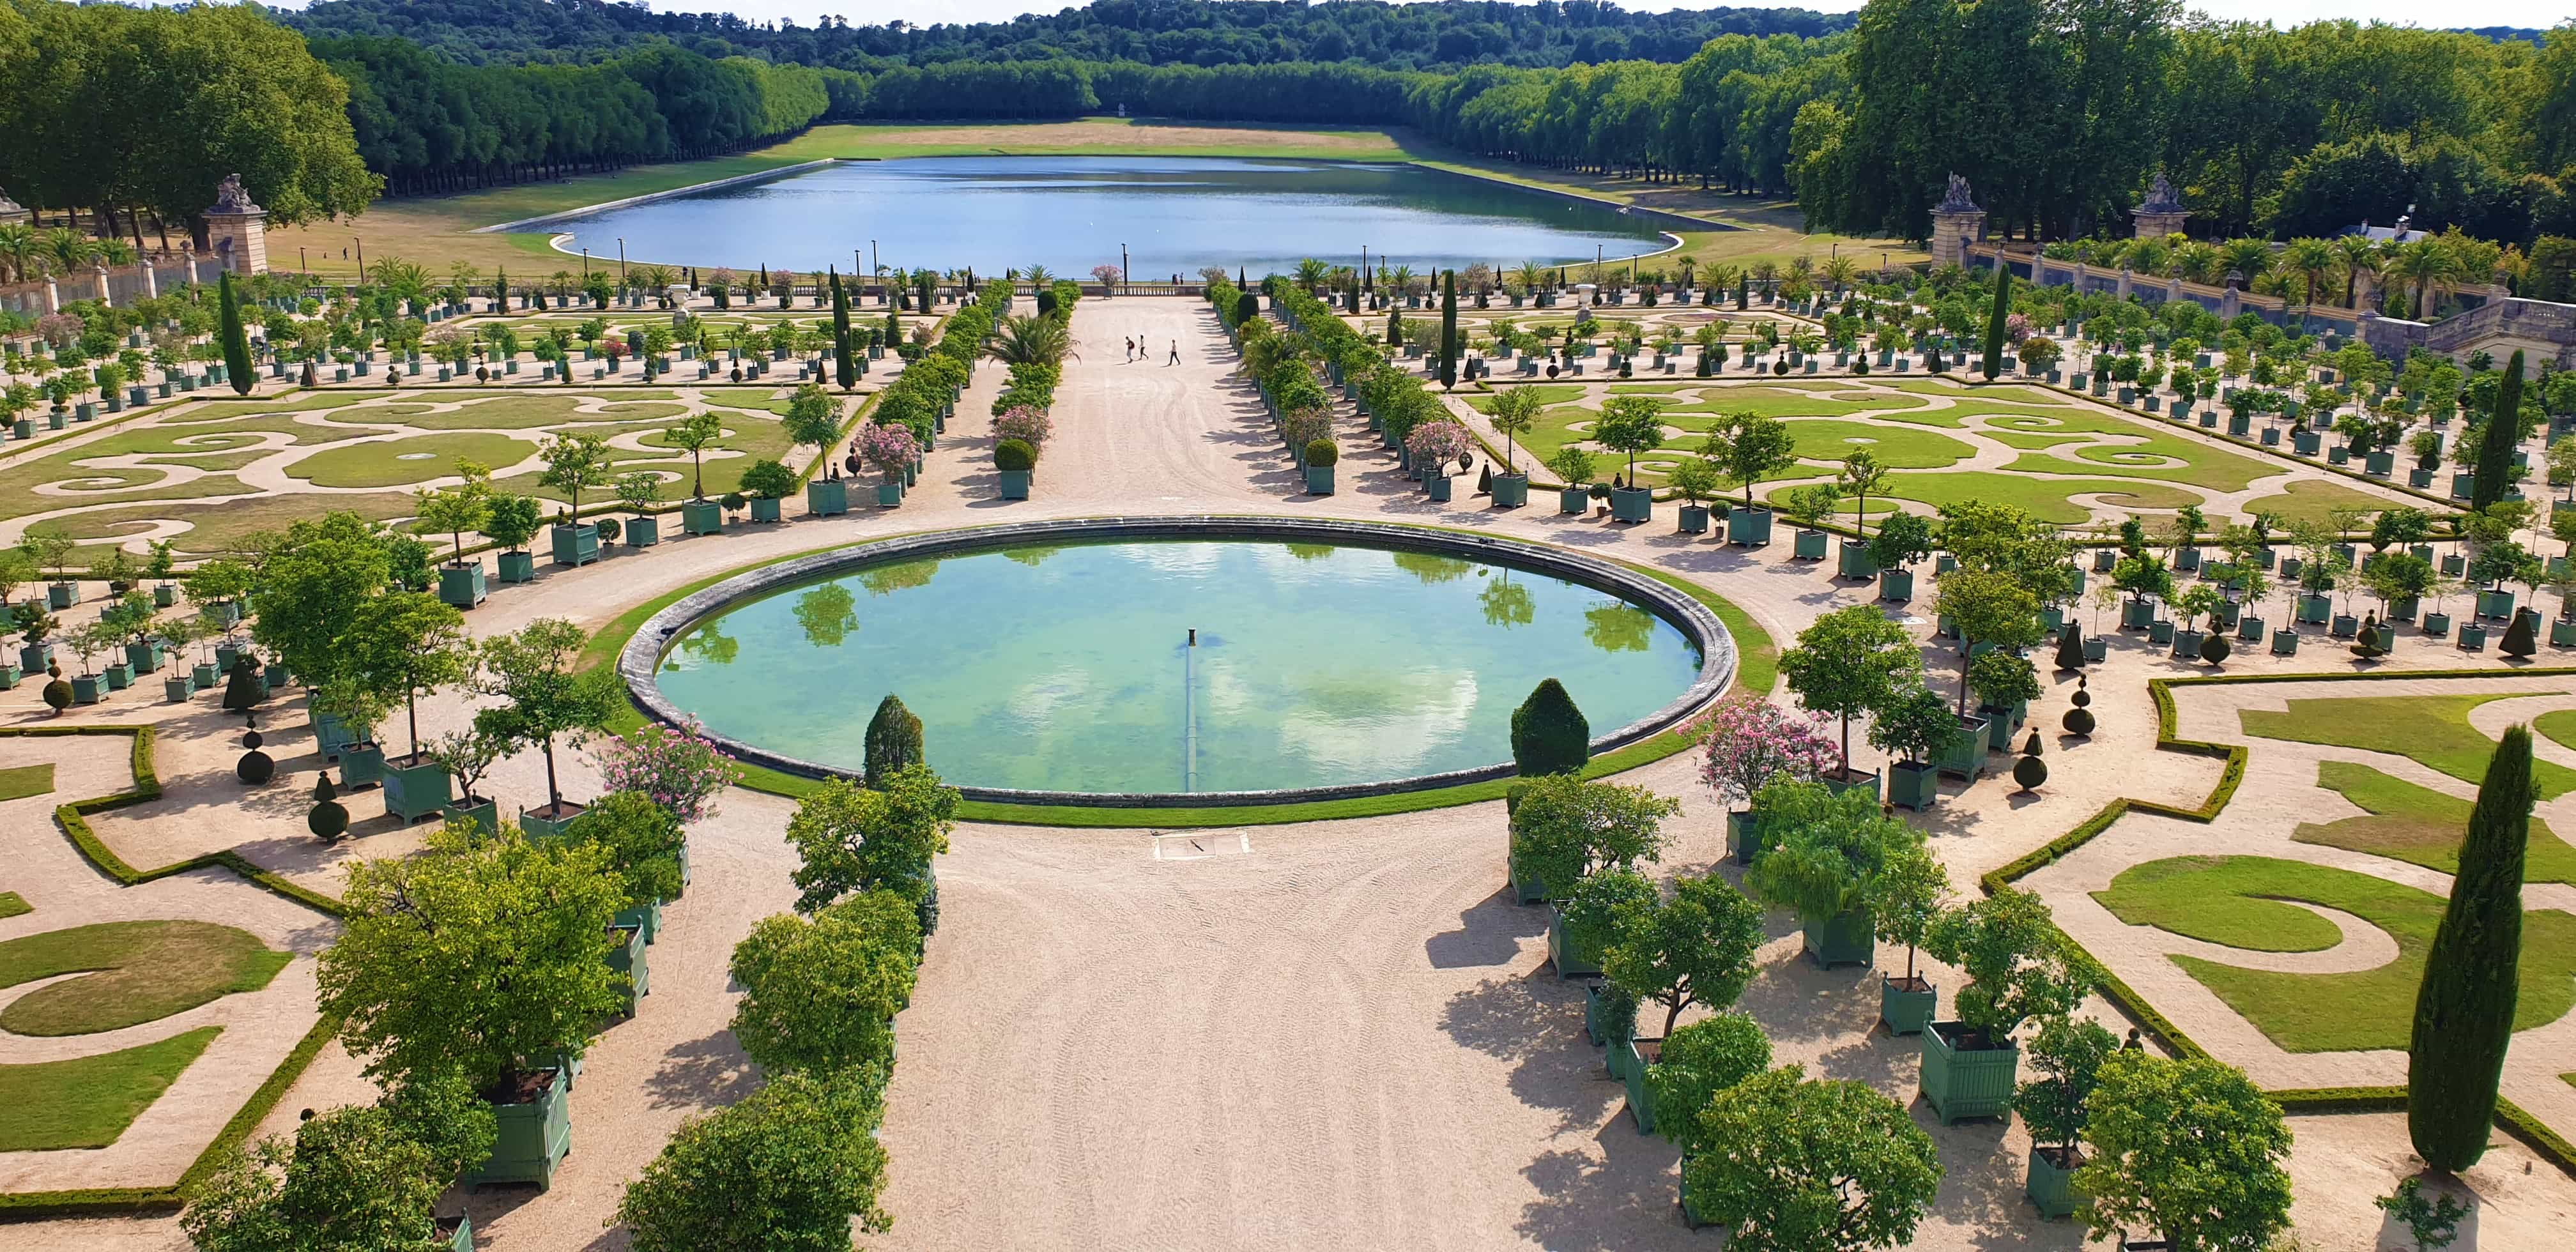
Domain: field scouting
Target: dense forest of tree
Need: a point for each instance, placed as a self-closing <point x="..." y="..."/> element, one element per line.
<point x="1154" y="32"/>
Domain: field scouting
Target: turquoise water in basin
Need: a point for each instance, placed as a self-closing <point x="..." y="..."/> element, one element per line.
<point x="1068" y="667"/>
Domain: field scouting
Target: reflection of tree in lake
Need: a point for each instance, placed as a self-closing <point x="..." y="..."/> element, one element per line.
<point x="709" y="644"/>
<point x="1619" y="627"/>
<point x="1310" y="551"/>
<point x="828" y="614"/>
<point x="1507" y="603"/>
<point x="1031" y="556"/>
<point x="1433" y="570"/>
<point x="885" y="580"/>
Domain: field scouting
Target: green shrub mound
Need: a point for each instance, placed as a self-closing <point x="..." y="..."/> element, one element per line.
<point x="1015" y="455"/>
<point x="1323" y="452"/>
<point x="1549" y="734"/>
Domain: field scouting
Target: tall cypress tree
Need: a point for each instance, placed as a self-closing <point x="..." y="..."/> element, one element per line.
<point x="845" y="371"/>
<point x="2503" y="432"/>
<point x="2464" y="1008"/>
<point x="1449" y="328"/>
<point x="237" y="369"/>
<point x="500" y="290"/>
<point x="1995" y="319"/>
<point x="893" y="741"/>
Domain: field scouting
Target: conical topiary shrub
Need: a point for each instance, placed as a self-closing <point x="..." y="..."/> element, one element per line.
<point x="2079" y="719"/>
<point x="2464" y="1007"/>
<point x="2518" y="642"/>
<point x="329" y="818"/>
<point x="893" y="741"/>
<point x="1549" y="734"/>
<point x="2070" y="649"/>
<point x="241" y="686"/>
<point x="2030" y="771"/>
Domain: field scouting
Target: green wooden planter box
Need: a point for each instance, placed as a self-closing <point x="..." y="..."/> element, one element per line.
<point x="175" y="689"/>
<point x="1597" y="1025"/>
<point x="2285" y="643"/>
<point x="1015" y="483"/>
<point x="2473" y="638"/>
<point x="1637" y="1072"/>
<point x="1809" y="545"/>
<point x="2437" y="625"/>
<point x="331" y="734"/>
<point x="644" y="917"/>
<point x="1631" y="504"/>
<point x="1748" y="528"/>
<point x="1959" y="1083"/>
<point x="1855" y="561"/>
<point x="362" y="765"/>
<point x="1573" y="500"/>
<point x="1572" y="959"/>
<point x="483" y="813"/>
<point x="701" y="517"/>
<point x="165" y="595"/>
<point x="575" y="545"/>
<point x="1912" y="786"/>
<point x="1692" y="519"/>
<point x="827" y="497"/>
<point x="1511" y="491"/>
<point x="2051" y="1189"/>
<point x="517" y="567"/>
<point x="453" y="1234"/>
<point x="88" y="689"/>
<point x="143" y="658"/>
<point x="2315" y="610"/>
<point x="9" y="676"/>
<point x="764" y="509"/>
<point x="1966" y="757"/>
<point x="1524" y="890"/>
<point x="889" y="495"/>
<point x="2496" y="604"/>
<point x="462" y="585"/>
<point x="533" y="1140"/>
<point x="541" y="826"/>
<point x="1844" y="939"/>
<point x="2562" y="633"/>
<point x="1906" y="1011"/>
<point x="61" y="595"/>
<point x="415" y="787"/>
<point x="1856" y="780"/>
<point x="2249" y="629"/>
<point x="1440" y="489"/>
<point x="643" y="532"/>
<point x="628" y="957"/>
<point x="1895" y="585"/>
<point x="119" y="676"/>
<point x="1744" y="837"/>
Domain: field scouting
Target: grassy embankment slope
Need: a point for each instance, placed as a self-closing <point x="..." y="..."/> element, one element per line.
<point x="435" y="230"/>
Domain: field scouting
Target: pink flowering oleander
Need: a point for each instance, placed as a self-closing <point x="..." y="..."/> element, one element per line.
<point x="1749" y="740"/>
<point x="1439" y="441"/>
<point x="2016" y="328"/>
<point x="1107" y="274"/>
<point x="889" y="448"/>
<point x="1024" y="423"/>
<point x="677" y="767"/>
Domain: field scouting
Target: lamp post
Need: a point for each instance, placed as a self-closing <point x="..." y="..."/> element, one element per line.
<point x="1123" y="281"/>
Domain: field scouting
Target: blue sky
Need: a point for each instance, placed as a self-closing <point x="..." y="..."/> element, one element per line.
<point x="2532" y="13"/>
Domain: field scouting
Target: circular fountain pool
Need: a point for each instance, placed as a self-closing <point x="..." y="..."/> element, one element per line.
<point x="1160" y="662"/>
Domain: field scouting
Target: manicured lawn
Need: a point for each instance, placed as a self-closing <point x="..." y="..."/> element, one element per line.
<point x="225" y="525"/>
<point x="401" y="462"/>
<point x="530" y="412"/>
<point x="2202" y="465"/>
<point x="144" y="971"/>
<point x="18" y="782"/>
<point x="1547" y="393"/>
<point x="1896" y="447"/>
<point x="1939" y="387"/>
<point x="88" y="1102"/>
<point x="2419" y="825"/>
<point x="14" y="905"/>
<point x="2047" y="499"/>
<point x="2433" y="731"/>
<point x="2239" y="902"/>
<point x="92" y="485"/>
<point x="1776" y="402"/>
<point x="309" y="402"/>
<point x="2558" y="728"/>
<point x="2309" y="500"/>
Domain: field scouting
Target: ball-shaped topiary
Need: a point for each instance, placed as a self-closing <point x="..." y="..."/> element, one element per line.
<point x="609" y="529"/>
<point x="1015" y="455"/>
<point x="58" y="694"/>
<point x="1549" y="734"/>
<point x="2030" y="771"/>
<point x="255" y="767"/>
<point x="1323" y="452"/>
<point x="734" y="501"/>
<point x="2079" y="719"/>
<point x="329" y="818"/>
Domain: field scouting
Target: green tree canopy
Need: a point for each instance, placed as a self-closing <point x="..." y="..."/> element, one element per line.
<point x="851" y="839"/>
<point x="1811" y="1165"/>
<point x="785" y="1170"/>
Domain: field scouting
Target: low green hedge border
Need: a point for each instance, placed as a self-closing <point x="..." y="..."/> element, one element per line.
<point x="1757" y="669"/>
<point x="110" y="1201"/>
<point x="2547" y="1143"/>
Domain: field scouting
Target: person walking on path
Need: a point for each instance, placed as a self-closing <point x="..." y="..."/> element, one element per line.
<point x="1131" y="349"/>
<point x="1176" y="353"/>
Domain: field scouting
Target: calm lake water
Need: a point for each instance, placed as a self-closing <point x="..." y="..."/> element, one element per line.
<point x="1174" y="214"/>
<point x="1067" y="667"/>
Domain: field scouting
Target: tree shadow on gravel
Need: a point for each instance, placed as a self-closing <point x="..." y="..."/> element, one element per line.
<point x="702" y="1072"/>
<point x="1536" y="1020"/>
<point x="1489" y="933"/>
<point x="1588" y="1205"/>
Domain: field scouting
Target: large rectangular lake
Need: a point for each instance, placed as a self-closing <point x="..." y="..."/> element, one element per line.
<point x="1174" y="214"/>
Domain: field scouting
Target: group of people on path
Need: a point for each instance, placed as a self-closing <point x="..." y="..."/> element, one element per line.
<point x="1137" y="350"/>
